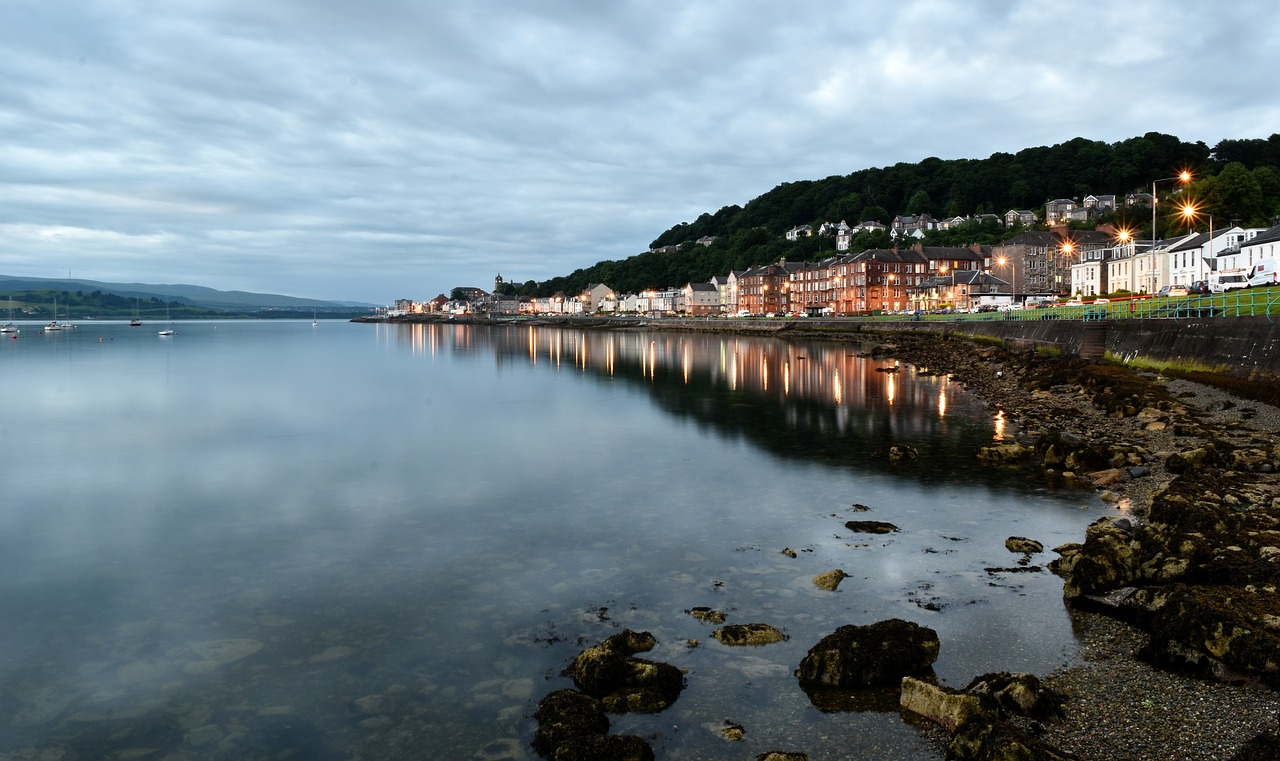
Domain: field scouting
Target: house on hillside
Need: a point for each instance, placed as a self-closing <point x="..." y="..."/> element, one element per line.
<point x="1024" y="217"/>
<point x="1058" y="211"/>
<point x="799" y="231"/>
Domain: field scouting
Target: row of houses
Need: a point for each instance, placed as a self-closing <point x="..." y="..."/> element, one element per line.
<point x="1029" y="265"/>
<point x="1141" y="267"/>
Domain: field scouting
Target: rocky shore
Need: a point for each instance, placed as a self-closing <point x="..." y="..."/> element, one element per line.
<point x="1175" y="594"/>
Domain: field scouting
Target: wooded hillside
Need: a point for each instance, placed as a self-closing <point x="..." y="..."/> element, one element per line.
<point x="1235" y="181"/>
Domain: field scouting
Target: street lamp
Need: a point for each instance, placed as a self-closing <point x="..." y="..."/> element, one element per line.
<point x="1184" y="177"/>
<point x="1190" y="212"/>
<point x="1013" y="296"/>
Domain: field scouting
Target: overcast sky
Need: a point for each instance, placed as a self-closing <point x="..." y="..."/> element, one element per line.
<point x="372" y="150"/>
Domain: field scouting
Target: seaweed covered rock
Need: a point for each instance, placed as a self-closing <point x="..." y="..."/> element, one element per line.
<point x="866" y="656"/>
<point x="566" y="716"/>
<point x="605" y="748"/>
<point x="1019" y="694"/>
<point x="748" y="634"/>
<point x="707" y="615"/>
<point x="1109" y="559"/>
<point x="623" y="683"/>
<point x="1001" y="741"/>
<point x="1223" y="632"/>
<point x="1023" y="545"/>
<point x="870" y="527"/>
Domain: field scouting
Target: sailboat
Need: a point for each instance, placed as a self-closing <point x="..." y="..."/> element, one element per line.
<point x="169" y="330"/>
<point x="9" y="327"/>
<point x="314" y="323"/>
<point x="136" y="321"/>
<point x="54" y="325"/>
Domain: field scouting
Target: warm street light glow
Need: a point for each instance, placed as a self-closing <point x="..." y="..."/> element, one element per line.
<point x="1184" y="177"/>
<point x="1124" y="235"/>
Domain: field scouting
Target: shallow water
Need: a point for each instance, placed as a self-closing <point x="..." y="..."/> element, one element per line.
<point x="256" y="539"/>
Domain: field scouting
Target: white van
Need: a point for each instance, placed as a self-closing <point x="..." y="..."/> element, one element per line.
<point x="1224" y="283"/>
<point x="1263" y="273"/>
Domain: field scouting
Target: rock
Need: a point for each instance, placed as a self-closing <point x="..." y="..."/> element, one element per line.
<point x="622" y="683"/>
<point x="1019" y="694"/>
<point x="789" y="552"/>
<point x="565" y="715"/>
<point x="1219" y="632"/>
<point x="1004" y="453"/>
<point x="1108" y="477"/>
<point x="779" y="755"/>
<point x="1107" y="560"/>
<point x="944" y="707"/>
<point x="1023" y="545"/>
<point x="899" y="453"/>
<point x="605" y="748"/>
<point x="707" y="615"/>
<point x="870" y="527"/>
<point x="866" y="656"/>
<point x="1191" y="459"/>
<point x="830" y="580"/>
<point x="1139" y="471"/>
<point x="732" y="731"/>
<point x="1000" y="741"/>
<point x="748" y="634"/>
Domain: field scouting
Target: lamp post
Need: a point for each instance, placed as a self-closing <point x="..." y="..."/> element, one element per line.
<point x="1013" y="296"/>
<point x="1184" y="177"/>
<point x="1190" y="212"/>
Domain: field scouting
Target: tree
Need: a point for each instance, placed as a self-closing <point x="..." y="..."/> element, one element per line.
<point x="1236" y="192"/>
<point x="919" y="203"/>
<point x="458" y="294"/>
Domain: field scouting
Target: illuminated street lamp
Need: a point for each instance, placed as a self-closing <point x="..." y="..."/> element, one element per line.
<point x="1189" y="213"/>
<point x="1013" y="296"/>
<point x="1184" y="177"/>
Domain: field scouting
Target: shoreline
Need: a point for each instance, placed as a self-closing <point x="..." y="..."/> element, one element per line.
<point x="1118" y="705"/>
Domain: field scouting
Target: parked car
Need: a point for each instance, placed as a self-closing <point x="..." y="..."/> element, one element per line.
<point x="1199" y="288"/>
<point x="1075" y="301"/>
<point x="1102" y="301"/>
<point x="1179" y="290"/>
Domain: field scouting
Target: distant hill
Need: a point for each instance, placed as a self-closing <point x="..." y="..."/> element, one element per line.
<point x="191" y="295"/>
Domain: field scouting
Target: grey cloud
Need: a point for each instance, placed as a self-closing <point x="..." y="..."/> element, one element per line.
<point x="387" y="149"/>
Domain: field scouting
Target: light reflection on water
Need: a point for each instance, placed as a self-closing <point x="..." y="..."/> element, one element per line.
<point x="261" y="538"/>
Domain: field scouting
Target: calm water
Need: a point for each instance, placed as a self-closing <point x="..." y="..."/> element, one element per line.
<point x="268" y="540"/>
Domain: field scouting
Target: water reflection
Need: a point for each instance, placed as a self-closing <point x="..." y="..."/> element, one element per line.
<point x="386" y="541"/>
<point x="810" y="400"/>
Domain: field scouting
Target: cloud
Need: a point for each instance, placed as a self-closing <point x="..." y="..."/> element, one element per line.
<point x="382" y="150"/>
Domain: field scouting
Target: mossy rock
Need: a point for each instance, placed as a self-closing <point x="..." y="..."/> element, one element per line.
<point x="867" y="656"/>
<point x="565" y="715"/>
<point x="748" y="634"/>
<point x="621" y="682"/>
<point x="707" y="615"/>
<point x="605" y="748"/>
<point x="871" y="527"/>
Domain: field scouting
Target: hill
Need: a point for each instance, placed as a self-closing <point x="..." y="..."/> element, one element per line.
<point x="34" y="297"/>
<point x="1236" y="180"/>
